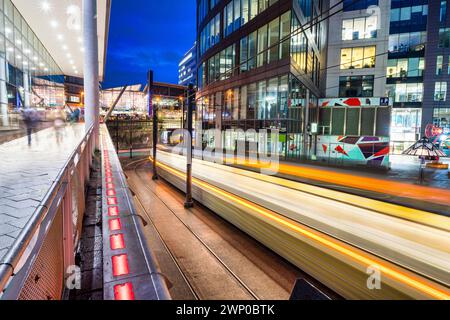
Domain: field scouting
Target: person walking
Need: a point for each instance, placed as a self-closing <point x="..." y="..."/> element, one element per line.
<point x="30" y="118"/>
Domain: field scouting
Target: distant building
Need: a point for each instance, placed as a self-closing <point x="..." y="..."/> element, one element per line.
<point x="74" y="89"/>
<point x="187" y="67"/>
<point x="168" y="97"/>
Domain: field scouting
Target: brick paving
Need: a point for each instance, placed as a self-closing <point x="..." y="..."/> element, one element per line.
<point x="27" y="173"/>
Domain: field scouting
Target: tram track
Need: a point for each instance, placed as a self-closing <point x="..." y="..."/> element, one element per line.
<point x="203" y="238"/>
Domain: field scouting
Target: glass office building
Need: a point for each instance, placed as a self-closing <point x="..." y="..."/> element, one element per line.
<point x="29" y="76"/>
<point x="258" y="69"/>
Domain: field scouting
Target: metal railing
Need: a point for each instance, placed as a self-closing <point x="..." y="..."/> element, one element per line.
<point x="36" y="266"/>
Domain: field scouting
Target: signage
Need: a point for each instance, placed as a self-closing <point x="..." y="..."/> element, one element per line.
<point x="354" y="102"/>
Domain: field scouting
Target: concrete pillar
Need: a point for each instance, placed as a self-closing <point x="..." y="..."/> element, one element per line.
<point x="91" y="70"/>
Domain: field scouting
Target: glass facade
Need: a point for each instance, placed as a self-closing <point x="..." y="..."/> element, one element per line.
<point x="275" y="100"/>
<point x="222" y="65"/>
<point x="274" y="103"/>
<point x="406" y="70"/>
<point x="351" y="5"/>
<point x="356" y="86"/>
<point x="236" y="13"/>
<point x="405" y="92"/>
<point x="29" y="77"/>
<point x="406" y="67"/>
<point x="441" y="119"/>
<point x="405" y="128"/>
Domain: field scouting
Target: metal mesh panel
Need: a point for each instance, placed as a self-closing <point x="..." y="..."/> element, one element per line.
<point x="45" y="281"/>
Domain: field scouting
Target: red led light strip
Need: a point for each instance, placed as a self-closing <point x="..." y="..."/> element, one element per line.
<point x="115" y="225"/>
<point x="124" y="291"/>
<point x="117" y="241"/>
<point x="120" y="265"/>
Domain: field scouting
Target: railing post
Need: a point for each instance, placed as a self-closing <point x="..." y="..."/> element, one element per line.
<point x="68" y="231"/>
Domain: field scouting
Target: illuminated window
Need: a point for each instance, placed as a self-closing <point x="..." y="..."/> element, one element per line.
<point x="439" y="64"/>
<point x="358" y="57"/>
<point x="440" y="91"/>
<point x="359" y="28"/>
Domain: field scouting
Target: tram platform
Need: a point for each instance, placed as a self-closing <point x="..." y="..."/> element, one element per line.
<point x="43" y="202"/>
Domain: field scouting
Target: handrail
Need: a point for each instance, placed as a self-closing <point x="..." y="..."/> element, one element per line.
<point x="10" y="261"/>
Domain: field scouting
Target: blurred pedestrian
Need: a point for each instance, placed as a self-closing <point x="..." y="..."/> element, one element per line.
<point x="30" y="118"/>
<point x="59" y="123"/>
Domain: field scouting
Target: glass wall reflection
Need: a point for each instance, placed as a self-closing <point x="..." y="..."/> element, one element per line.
<point x="29" y="77"/>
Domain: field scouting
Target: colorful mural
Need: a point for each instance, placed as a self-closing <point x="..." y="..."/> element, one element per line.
<point x="370" y="151"/>
<point x="354" y="102"/>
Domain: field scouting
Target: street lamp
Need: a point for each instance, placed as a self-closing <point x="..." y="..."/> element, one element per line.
<point x="155" y="136"/>
<point x="181" y="98"/>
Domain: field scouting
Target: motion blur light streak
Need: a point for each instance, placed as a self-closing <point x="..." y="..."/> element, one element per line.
<point x="357" y="255"/>
<point x="410" y="214"/>
<point x="394" y="188"/>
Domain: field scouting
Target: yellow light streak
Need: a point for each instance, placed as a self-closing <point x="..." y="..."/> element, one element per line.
<point x="361" y="258"/>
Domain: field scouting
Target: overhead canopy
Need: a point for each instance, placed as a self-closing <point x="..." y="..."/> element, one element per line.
<point x="58" y="24"/>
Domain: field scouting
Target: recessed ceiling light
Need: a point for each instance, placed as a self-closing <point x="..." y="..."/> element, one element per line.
<point x="35" y="58"/>
<point x="45" y="6"/>
<point x="54" y="23"/>
<point x="65" y="47"/>
<point x="60" y="37"/>
<point x="72" y="9"/>
<point x="68" y="55"/>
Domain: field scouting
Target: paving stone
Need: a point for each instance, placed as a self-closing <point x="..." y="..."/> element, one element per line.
<point x="2" y="253"/>
<point x="27" y="174"/>
<point x="7" y="229"/>
<point x="6" y="242"/>
<point x="4" y="218"/>
<point x="19" y="213"/>
<point x="19" y="223"/>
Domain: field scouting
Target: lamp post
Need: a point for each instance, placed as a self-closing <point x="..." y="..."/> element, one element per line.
<point x="155" y="136"/>
<point x="181" y="98"/>
<point x="190" y="104"/>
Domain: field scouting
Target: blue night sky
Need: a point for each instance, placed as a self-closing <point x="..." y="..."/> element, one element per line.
<point x="148" y="34"/>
